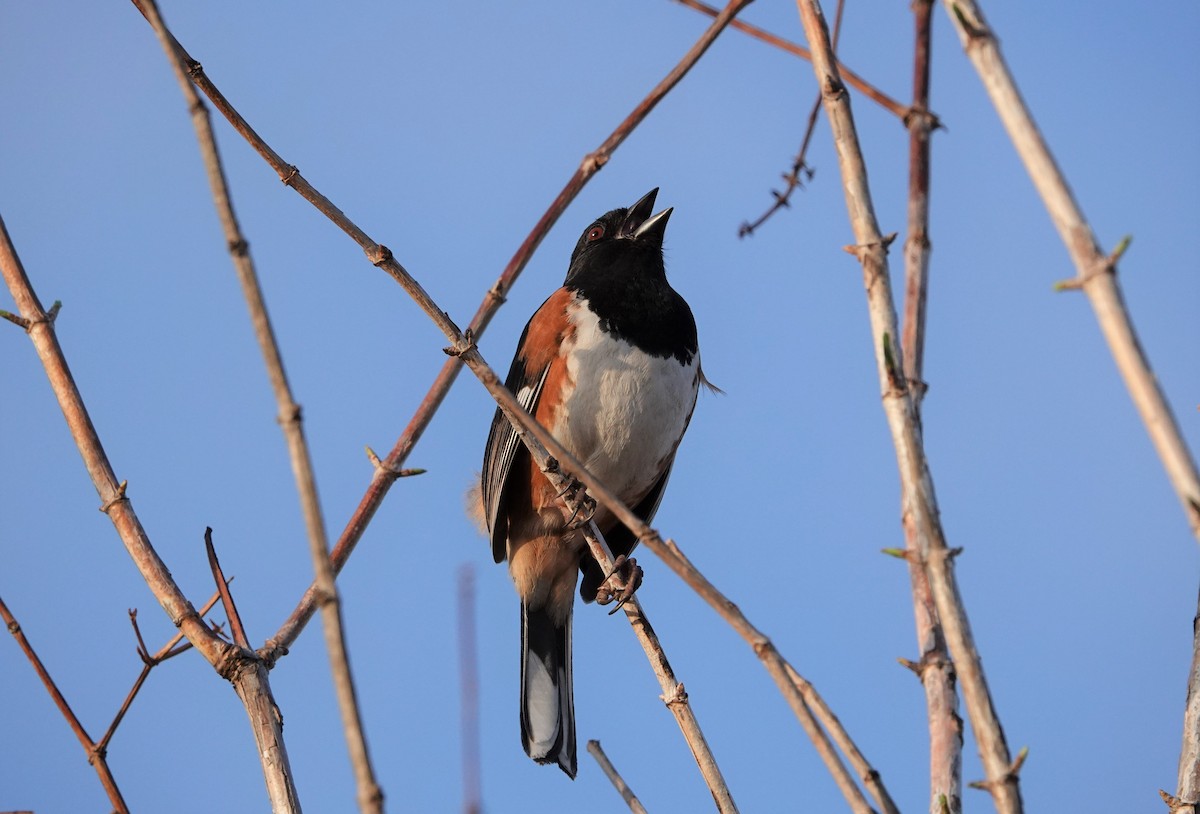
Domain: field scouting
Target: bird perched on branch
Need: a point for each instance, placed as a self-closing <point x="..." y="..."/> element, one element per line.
<point x="610" y="365"/>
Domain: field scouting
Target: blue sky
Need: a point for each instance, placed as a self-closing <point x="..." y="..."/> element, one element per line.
<point x="445" y="130"/>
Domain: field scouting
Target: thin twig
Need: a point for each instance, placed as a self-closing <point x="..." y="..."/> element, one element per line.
<point x="1096" y="275"/>
<point x="852" y="79"/>
<point x="231" y="611"/>
<point x="673" y="693"/>
<point x="95" y="753"/>
<point x="919" y="501"/>
<point x="793" y="178"/>
<point x="242" y="668"/>
<point x="149" y="662"/>
<point x="369" y="793"/>
<point x="934" y="668"/>
<point x="614" y="777"/>
<point x="468" y="666"/>
<point x="386" y="473"/>
<point x="841" y="738"/>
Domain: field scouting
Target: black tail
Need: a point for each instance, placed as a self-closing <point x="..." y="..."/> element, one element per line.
<point x="547" y="698"/>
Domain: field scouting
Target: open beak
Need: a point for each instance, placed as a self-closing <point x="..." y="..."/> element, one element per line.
<point x="640" y="225"/>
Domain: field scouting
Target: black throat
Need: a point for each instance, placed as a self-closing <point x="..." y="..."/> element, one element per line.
<point x="625" y="285"/>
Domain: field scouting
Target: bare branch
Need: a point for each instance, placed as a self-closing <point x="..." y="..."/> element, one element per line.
<point x="800" y="169"/>
<point x="370" y="795"/>
<point x="852" y="79"/>
<point x="610" y="771"/>
<point x="1096" y="275"/>
<point x="385" y="476"/>
<point x="95" y="753"/>
<point x="917" y="484"/>
<point x="247" y="673"/>
<point x="935" y="668"/>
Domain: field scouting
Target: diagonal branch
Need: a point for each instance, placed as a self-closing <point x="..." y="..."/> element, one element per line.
<point x="1096" y="272"/>
<point x="370" y="795"/>
<point x="1096" y="275"/>
<point x="95" y="752"/>
<point x="852" y="79"/>
<point x="533" y="435"/>
<point x="614" y="777"/>
<point x="243" y="668"/>
<point x="390" y="467"/>
<point x="919" y="501"/>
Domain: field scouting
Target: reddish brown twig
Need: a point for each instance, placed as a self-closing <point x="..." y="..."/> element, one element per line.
<point x="149" y="662"/>
<point x="95" y="752"/>
<point x="247" y="673"/>
<point x="852" y="79"/>
<point x="934" y="667"/>
<point x="800" y="171"/>
<point x="388" y="469"/>
<point x="231" y="611"/>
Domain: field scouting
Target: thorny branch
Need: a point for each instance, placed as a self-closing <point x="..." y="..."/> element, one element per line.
<point x="919" y="500"/>
<point x="370" y="795"/>
<point x="935" y="669"/>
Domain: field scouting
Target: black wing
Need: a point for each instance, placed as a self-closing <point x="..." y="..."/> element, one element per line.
<point x="504" y="448"/>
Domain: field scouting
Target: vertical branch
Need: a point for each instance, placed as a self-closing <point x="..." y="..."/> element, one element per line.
<point x="370" y="795"/>
<point x="1188" y="787"/>
<point x="934" y="667"/>
<point x="95" y="753"/>
<point x="920" y="502"/>
<point x="229" y="661"/>
<point x="469" y="688"/>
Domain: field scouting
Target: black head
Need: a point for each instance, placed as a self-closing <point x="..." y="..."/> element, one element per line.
<point x="617" y="268"/>
<point x="621" y="233"/>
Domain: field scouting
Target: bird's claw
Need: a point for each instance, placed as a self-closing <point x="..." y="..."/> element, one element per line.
<point x="620" y="585"/>
<point x="588" y="505"/>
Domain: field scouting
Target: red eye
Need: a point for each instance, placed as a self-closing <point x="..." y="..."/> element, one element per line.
<point x="595" y="233"/>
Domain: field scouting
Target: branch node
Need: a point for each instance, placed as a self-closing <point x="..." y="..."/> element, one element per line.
<point x="117" y="498"/>
<point x="593" y="162"/>
<point x="292" y="173"/>
<point x="678" y="696"/>
<point x="239" y="247"/>
<point x="464" y="345"/>
<point x="974" y="30"/>
<point x="833" y="88"/>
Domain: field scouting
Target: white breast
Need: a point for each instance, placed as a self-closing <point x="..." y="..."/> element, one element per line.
<point x="627" y="410"/>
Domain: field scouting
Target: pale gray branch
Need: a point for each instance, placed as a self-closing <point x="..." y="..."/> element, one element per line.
<point x="370" y="795"/>
<point x="919" y="501"/>
<point x="1096" y="275"/>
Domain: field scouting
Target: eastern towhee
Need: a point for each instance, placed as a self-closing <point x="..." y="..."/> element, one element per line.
<point x="610" y="365"/>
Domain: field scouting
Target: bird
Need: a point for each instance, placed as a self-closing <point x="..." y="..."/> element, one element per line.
<point x="610" y="365"/>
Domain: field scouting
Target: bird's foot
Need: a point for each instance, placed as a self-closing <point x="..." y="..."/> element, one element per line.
<point x="585" y="510"/>
<point x="620" y="585"/>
